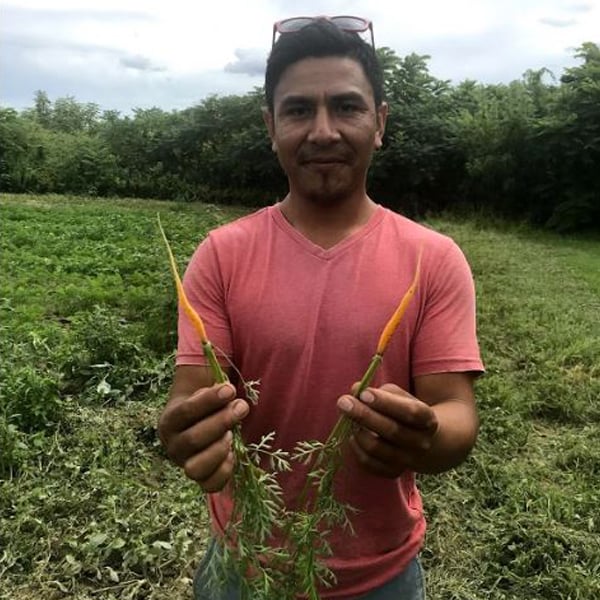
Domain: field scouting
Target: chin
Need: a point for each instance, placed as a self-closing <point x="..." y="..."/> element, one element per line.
<point x="327" y="190"/>
<point x="327" y="197"/>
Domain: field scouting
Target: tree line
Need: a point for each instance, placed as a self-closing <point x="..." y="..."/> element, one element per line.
<point x="528" y="150"/>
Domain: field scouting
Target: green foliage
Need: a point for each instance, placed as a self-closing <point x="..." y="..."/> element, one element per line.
<point x="89" y="505"/>
<point x="64" y="114"/>
<point x="13" y="448"/>
<point x="527" y="150"/>
<point x="143" y="150"/>
<point x="160" y="324"/>
<point x="224" y="145"/>
<point x="103" y="529"/>
<point x="76" y="163"/>
<point x="569" y="198"/>
<point x="418" y="164"/>
<point x="258" y="511"/>
<point x="29" y="397"/>
<point x="491" y="135"/>
<point x="106" y="361"/>
<point x="522" y="506"/>
<point x="82" y="379"/>
<point x="20" y="151"/>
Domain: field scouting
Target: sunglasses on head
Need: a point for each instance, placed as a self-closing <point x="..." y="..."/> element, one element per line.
<point x="343" y="22"/>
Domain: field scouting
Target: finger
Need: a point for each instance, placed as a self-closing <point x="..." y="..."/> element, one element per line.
<point x="409" y="443"/>
<point x="400" y="406"/>
<point x="219" y="479"/>
<point x="180" y="415"/>
<point x="372" y="463"/>
<point x="392" y="428"/>
<point x="212" y="467"/>
<point x="369" y="419"/>
<point x="395" y="389"/>
<point x="390" y="387"/>
<point x="205" y="432"/>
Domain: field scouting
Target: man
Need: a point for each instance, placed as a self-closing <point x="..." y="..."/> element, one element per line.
<point x="296" y="295"/>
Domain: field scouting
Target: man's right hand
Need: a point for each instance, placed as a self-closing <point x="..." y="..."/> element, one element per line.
<point x="196" y="433"/>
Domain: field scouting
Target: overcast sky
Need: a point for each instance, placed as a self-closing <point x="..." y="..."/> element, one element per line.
<point x="123" y="54"/>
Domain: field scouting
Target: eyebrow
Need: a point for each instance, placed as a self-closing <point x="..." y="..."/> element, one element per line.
<point x="335" y="98"/>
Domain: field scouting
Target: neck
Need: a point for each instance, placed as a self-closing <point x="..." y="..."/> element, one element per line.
<point x="327" y="224"/>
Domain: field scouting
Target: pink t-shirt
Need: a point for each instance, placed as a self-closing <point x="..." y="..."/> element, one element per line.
<point x="305" y="322"/>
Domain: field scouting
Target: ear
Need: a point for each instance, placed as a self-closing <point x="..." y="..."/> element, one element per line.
<point x="381" y="116"/>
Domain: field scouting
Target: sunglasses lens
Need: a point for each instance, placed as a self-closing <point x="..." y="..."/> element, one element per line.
<point x="343" y="22"/>
<point x="350" y="23"/>
<point x="295" y="24"/>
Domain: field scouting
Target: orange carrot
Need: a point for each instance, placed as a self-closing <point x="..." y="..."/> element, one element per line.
<point x="392" y="324"/>
<point x="185" y="303"/>
<point x="343" y="428"/>
<point x="194" y="317"/>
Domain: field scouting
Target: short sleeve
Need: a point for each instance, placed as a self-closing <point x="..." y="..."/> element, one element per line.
<point x="445" y="339"/>
<point x="203" y="284"/>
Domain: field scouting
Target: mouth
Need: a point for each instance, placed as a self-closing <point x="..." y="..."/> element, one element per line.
<point x="311" y="155"/>
<point x="333" y="160"/>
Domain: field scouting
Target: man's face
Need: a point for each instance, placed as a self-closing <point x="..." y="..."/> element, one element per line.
<point x="325" y="127"/>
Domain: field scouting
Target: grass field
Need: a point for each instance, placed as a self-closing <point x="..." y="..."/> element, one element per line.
<point x="91" y="509"/>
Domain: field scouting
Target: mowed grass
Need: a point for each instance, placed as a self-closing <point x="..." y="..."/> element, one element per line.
<point x="90" y="507"/>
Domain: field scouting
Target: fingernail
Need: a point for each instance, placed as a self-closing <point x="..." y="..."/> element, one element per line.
<point x="240" y="409"/>
<point x="367" y="397"/>
<point x="228" y="437"/>
<point x="225" y="392"/>
<point x="345" y="404"/>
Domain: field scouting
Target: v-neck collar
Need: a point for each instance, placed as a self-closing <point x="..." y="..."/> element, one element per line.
<point x="316" y="250"/>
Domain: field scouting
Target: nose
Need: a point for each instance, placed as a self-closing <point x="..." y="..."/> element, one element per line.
<point x="323" y="129"/>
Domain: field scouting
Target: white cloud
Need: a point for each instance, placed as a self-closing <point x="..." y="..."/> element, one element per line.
<point x="557" y="22"/>
<point x="126" y="53"/>
<point x="584" y="7"/>
<point x="139" y="63"/>
<point x="250" y="61"/>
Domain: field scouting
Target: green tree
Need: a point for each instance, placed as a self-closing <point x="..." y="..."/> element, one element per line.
<point x="528" y="149"/>
<point x="225" y="144"/>
<point x="70" y="116"/>
<point x="568" y="148"/>
<point x="21" y="152"/>
<point x="141" y="147"/>
<point x="492" y="127"/>
<point x="42" y="108"/>
<point x="417" y="169"/>
<point x="79" y="164"/>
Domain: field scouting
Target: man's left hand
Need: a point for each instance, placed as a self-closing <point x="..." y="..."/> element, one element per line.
<point x="395" y="430"/>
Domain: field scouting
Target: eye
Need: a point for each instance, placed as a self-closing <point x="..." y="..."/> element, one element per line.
<point x="297" y="111"/>
<point x="348" y="107"/>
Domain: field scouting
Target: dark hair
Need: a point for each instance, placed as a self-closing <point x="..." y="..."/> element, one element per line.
<point x="321" y="39"/>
